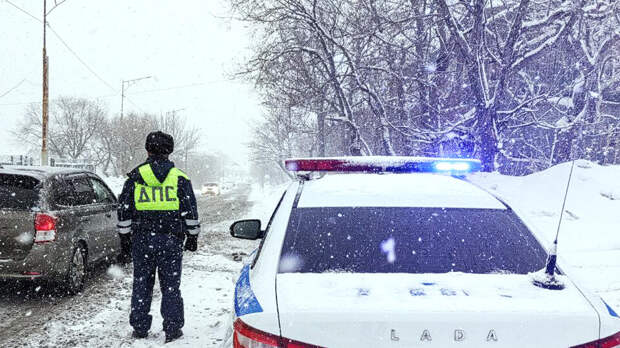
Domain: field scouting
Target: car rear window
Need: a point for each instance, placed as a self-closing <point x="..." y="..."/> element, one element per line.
<point x="409" y="240"/>
<point x="18" y="192"/>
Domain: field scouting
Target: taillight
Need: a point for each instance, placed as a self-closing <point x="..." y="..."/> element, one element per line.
<point x="249" y="337"/>
<point x="30" y="273"/>
<point x="45" y="228"/>
<point x="608" y="342"/>
<point x="246" y="336"/>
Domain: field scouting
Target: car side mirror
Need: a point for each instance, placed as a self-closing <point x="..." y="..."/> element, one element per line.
<point x="246" y="229"/>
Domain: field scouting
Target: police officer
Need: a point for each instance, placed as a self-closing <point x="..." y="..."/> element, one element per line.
<point x="157" y="212"/>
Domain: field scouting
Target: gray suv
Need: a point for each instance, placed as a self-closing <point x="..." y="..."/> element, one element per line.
<point x="54" y="223"/>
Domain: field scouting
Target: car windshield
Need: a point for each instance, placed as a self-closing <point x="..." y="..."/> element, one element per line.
<point x="18" y="192"/>
<point x="409" y="240"/>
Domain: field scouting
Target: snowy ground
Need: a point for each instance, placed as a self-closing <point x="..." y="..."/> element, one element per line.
<point x="37" y="317"/>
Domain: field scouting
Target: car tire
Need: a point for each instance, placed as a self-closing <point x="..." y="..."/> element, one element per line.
<point x="76" y="274"/>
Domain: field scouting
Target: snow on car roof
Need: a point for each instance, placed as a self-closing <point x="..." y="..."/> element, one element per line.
<point x="39" y="172"/>
<point x="395" y="190"/>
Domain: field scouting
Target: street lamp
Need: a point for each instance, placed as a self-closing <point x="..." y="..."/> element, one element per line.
<point x="123" y="88"/>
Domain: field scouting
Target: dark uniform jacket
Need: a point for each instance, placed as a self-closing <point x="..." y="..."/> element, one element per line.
<point x="173" y="222"/>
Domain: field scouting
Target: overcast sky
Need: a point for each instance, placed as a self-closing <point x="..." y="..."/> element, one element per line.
<point x="188" y="46"/>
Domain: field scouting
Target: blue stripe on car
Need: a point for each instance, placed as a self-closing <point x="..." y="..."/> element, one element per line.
<point x="245" y="300"/>
<point x="610" y="310"/>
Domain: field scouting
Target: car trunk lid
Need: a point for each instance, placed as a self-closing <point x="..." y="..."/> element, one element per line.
<point x="19" y="199"/>
<point x="441" y="310"/>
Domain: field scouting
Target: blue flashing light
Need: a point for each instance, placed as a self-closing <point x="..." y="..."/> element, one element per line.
<point x="450" y="166"/>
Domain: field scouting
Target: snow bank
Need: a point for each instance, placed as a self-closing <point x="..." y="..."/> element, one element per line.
<point x="591" y="219"/>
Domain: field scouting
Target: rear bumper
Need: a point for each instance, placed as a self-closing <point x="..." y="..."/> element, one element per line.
<point x="43" y="261"/>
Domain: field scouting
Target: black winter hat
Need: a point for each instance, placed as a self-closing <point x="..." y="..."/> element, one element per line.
<point x="159" y="143"/>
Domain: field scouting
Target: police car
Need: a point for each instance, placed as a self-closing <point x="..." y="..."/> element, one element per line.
<point x="385" y="252"/>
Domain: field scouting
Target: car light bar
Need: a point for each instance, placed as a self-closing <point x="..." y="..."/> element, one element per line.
<point x="384" y="164"/>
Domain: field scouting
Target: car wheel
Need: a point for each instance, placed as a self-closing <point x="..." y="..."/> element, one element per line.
<point x="76" y="275"/>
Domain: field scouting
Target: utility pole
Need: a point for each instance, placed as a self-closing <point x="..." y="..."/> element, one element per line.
<point x="45" y="101"/>
<point x="123" y="88"/>
<point x="45" y="104"/>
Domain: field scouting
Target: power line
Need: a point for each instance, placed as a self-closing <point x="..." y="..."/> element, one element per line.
<point x="13" y="88"/>
<point x="178" y="87"/>
<point x="134" y="93"/>
<point x="24" y="11"/>
<point x="94" y="73"/>
<point x="80" y="59"/>
<point x="65" y="44"/>
<point x="91" y="70"/>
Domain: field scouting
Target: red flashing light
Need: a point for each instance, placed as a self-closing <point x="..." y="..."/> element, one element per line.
<point x="246" y="336"/>
<point x="45" y="228"/>
<point x="607" y="342"/>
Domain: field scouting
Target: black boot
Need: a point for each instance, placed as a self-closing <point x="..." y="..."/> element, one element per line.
<point x="140" y="334"/>
<point x="173" y="335"/>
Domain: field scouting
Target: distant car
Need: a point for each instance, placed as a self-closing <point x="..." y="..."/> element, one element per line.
<point x="211" y="188"/>
<point x="384" y="252"/>
<point x="54" y="224"/>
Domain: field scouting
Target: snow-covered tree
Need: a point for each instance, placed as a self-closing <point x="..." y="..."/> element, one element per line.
<point x="498" y="80"/>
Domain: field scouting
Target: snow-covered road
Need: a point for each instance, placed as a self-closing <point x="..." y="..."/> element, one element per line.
<point x="38" y="317"/>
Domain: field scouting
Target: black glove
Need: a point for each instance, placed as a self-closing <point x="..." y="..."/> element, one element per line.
<point x="191" y="242"/>
<point x="125" y="255"/>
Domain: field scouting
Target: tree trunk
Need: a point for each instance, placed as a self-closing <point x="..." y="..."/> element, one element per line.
<point x="321" y="134"/>
<point x="487" y="141"/>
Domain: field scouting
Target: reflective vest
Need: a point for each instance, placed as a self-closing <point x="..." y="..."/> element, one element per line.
<point x="155" y="195"/>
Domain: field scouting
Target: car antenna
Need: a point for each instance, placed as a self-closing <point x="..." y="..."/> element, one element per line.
<point x="547" y="279"/>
